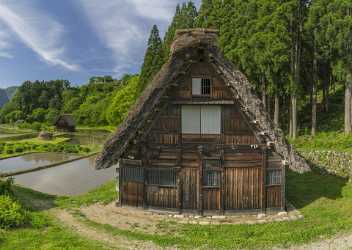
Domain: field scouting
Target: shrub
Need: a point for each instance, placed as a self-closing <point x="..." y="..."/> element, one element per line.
<point x="11" y="213"/>
<point x="6" y="187"/>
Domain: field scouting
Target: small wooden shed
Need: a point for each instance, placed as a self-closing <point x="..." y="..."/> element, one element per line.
<point x="65" y="123"/>
<point x="199" y="138"/>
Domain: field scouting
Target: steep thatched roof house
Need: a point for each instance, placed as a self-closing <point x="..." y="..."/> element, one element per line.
<point x="65" y="123"/>
<point x="199" y="138"/>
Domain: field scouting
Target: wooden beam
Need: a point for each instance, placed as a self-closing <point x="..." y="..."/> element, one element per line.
<point x="264" y="166"/>
<point x="200" y="186"/>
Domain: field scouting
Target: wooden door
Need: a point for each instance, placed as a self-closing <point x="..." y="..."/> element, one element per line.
<point x="190" y="185"/>
<point x="243" y="188"/>
<point x="211" y="184"/>
<point x="132" y="184"/>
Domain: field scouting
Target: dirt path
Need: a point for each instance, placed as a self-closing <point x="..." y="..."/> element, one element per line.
<point x="115" y="242"/>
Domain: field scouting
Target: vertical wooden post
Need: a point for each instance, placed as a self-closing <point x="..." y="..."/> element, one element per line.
<point x="119" y="171"/>
<point x="145" y="162"/>
<point x="121" y="183"/>
<point x="283" y="187"/>
<point x="222" y="188"/>
<point x="264" y="166"/>
<point x="200" y="186"/>
<point x="179" y="183"/>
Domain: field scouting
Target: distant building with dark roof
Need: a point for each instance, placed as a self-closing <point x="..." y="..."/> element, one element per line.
<point x="65" y="123"/>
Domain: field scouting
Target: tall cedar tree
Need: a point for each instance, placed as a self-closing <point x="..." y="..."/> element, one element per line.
<point x="153" y="60"/>
<point x="184" y="18"/>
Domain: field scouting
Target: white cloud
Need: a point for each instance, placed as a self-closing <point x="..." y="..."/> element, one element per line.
<point x="155" y="9"/>
<point x="124" y="25"/>
<point x="38" y="31"/>
<point x="5" y="44"/>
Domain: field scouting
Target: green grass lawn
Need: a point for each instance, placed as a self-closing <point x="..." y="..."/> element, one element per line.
<point x="324" y="200"/>
<point x="336" y="141"/>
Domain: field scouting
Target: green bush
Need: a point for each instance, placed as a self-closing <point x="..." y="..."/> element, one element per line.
<point x="11" y="213"/>
<point x="6" y="187"/>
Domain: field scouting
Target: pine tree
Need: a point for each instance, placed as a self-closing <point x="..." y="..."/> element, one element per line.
<point x="153" y="60"/>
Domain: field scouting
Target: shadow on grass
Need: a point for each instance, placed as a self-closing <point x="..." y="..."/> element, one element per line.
<point x="33" y="200"/>
<point x="303" y="189"/>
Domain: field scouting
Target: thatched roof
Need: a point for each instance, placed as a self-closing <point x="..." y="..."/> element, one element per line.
<point x="184" y="52"/>
<point x="68" y="119"/>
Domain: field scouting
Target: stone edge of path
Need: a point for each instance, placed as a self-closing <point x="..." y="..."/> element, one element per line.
<point x="47" y="166"/>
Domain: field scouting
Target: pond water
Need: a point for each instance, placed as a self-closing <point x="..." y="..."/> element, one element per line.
<point x="87" y="139"/>
<point x="30" y="161"/>
<point x="73" y="178"/>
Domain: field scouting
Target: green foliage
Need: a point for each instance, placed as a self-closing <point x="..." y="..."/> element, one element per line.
<point x="184" y="18"/>
<point x="122" y="101"/>
<point x="6" y="187"/>
<point x="38" y="115"/>
<point x="153" y="59"/>
<point x="14" y="148"/>
<point x="13" y="116"/>
<point x="11" y="213"/>
<point x="325" y="141"/>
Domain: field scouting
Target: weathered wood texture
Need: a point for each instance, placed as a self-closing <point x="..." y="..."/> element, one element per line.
<point x="164" y="197"/>
<point x="243" y="188"/>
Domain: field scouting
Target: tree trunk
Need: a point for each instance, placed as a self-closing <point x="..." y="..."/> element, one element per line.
<point x="276" y="110"/>
<point x="268" y="105"/>
<point x="314" y="91"/>
<point x="348" y="104"/>
<point x="314" y="109"/>
<point x="264" y="95"/>
<point x="294" y="116"/>
<point x="290" y="117"/>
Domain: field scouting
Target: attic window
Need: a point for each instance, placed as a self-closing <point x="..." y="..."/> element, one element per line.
<point x="201" y="86"/>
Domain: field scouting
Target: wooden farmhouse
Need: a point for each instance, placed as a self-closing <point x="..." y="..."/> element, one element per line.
<point x="199" y="139"/>
<point x="65" y="123"/>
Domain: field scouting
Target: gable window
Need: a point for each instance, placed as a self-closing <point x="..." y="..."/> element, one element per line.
<point x="201" y="119"/>
<point x="201" y="86"/>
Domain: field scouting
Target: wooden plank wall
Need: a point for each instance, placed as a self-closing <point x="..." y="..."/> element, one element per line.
<point x="132" y="194"/>
<point x="164" y="197"/>
<point x="243" y="188"/>
<point x="211" y="199"/>
<point x="190" y="183"/>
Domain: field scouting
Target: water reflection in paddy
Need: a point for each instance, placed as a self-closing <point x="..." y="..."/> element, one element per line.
<point x="30" y="161"/>
<point x="74" y="178"/>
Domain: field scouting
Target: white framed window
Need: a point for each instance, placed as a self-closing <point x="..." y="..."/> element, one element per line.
<point x="201" y="119"/>
<point x="201" y="86"/>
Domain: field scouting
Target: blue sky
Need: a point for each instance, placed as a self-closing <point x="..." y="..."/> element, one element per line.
<point x="76" y="39"/>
